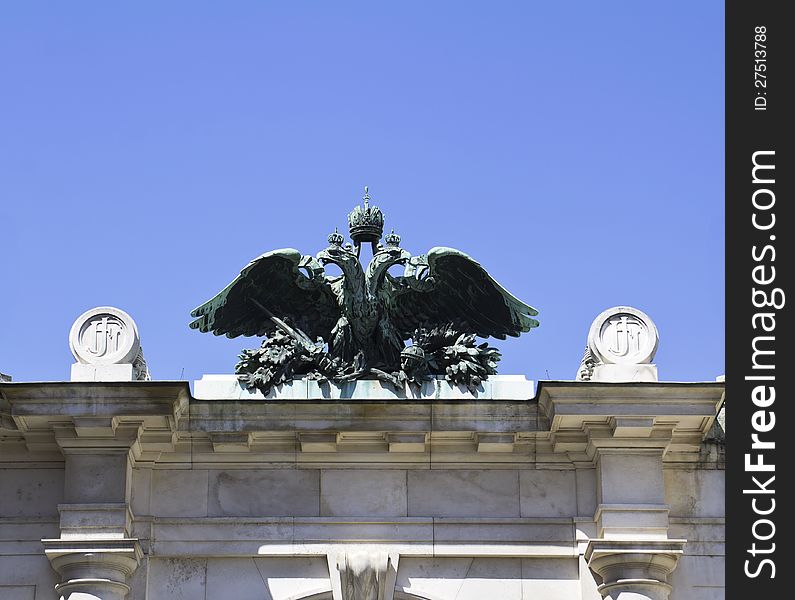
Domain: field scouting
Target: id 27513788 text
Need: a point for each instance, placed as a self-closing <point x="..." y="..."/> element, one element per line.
<point x="760" y="67"/>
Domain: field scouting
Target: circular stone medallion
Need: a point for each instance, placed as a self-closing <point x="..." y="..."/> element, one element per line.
<point x="623" y="335"/>
<point x="104" y="336"/>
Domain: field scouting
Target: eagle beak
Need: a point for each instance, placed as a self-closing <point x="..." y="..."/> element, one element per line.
<point x="401" y="255"/>
<point x="332" y="254"/>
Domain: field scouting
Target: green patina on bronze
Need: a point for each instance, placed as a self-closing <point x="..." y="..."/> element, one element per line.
<point x="355" y="325"/>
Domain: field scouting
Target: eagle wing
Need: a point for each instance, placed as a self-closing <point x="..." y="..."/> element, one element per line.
<point x="447" y="286"/>
<point x="282" y="283"/>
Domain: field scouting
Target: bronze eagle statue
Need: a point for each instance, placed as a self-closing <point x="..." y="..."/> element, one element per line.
<point x="356" y="324"/>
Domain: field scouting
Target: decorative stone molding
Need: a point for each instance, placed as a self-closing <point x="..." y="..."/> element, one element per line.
<point x="107" y="347"/>
<point x="622" y="342"/>
<point x="671" y="418"/>
<point x="407" y="442"/>
<point x="569" y="422"/>
<point x="632" y="569"/>
<point x="587" y="364"/>
<point x="97" y="568"/>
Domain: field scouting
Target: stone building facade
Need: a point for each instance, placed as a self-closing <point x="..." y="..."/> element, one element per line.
<point x="573" y="490"/>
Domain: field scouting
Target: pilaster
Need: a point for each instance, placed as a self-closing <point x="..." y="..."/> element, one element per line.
<point x="95" y="554"/>
<point x="99" y="430"/>
<point x="627" y="431"/>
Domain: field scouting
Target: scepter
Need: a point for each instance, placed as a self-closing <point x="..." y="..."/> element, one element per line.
<point x="295" y="333"/>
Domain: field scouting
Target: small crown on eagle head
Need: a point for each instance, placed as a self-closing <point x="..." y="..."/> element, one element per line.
<point x="336" y="238"/>
<point x="366" y="224"/>
<point x="392" y="239"/>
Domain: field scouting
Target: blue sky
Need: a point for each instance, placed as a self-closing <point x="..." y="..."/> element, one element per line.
<point x="149" y="150"/>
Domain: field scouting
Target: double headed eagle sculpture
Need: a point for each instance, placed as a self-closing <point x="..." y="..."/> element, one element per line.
<point x="355" y="325"/>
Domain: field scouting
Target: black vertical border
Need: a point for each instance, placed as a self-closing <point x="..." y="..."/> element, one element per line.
<point x="749" y="130"/>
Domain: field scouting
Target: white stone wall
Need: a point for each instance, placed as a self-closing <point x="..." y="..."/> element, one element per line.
<point x="29" y="499"/>
<point x="697" y="500"/>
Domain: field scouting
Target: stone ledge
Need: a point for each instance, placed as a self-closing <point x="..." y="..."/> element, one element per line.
<point x="65" y="399"/>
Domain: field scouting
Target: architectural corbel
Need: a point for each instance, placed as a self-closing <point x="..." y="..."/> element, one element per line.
<point x="362" y="574"/>
<point x="94" y="570"/>
<point x="633" y="570"/>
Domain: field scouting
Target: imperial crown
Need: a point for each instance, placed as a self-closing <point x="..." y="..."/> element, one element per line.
<point x="366" y="224"/>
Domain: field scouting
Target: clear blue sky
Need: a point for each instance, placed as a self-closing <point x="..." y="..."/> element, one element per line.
<point x="149" y="150"/>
